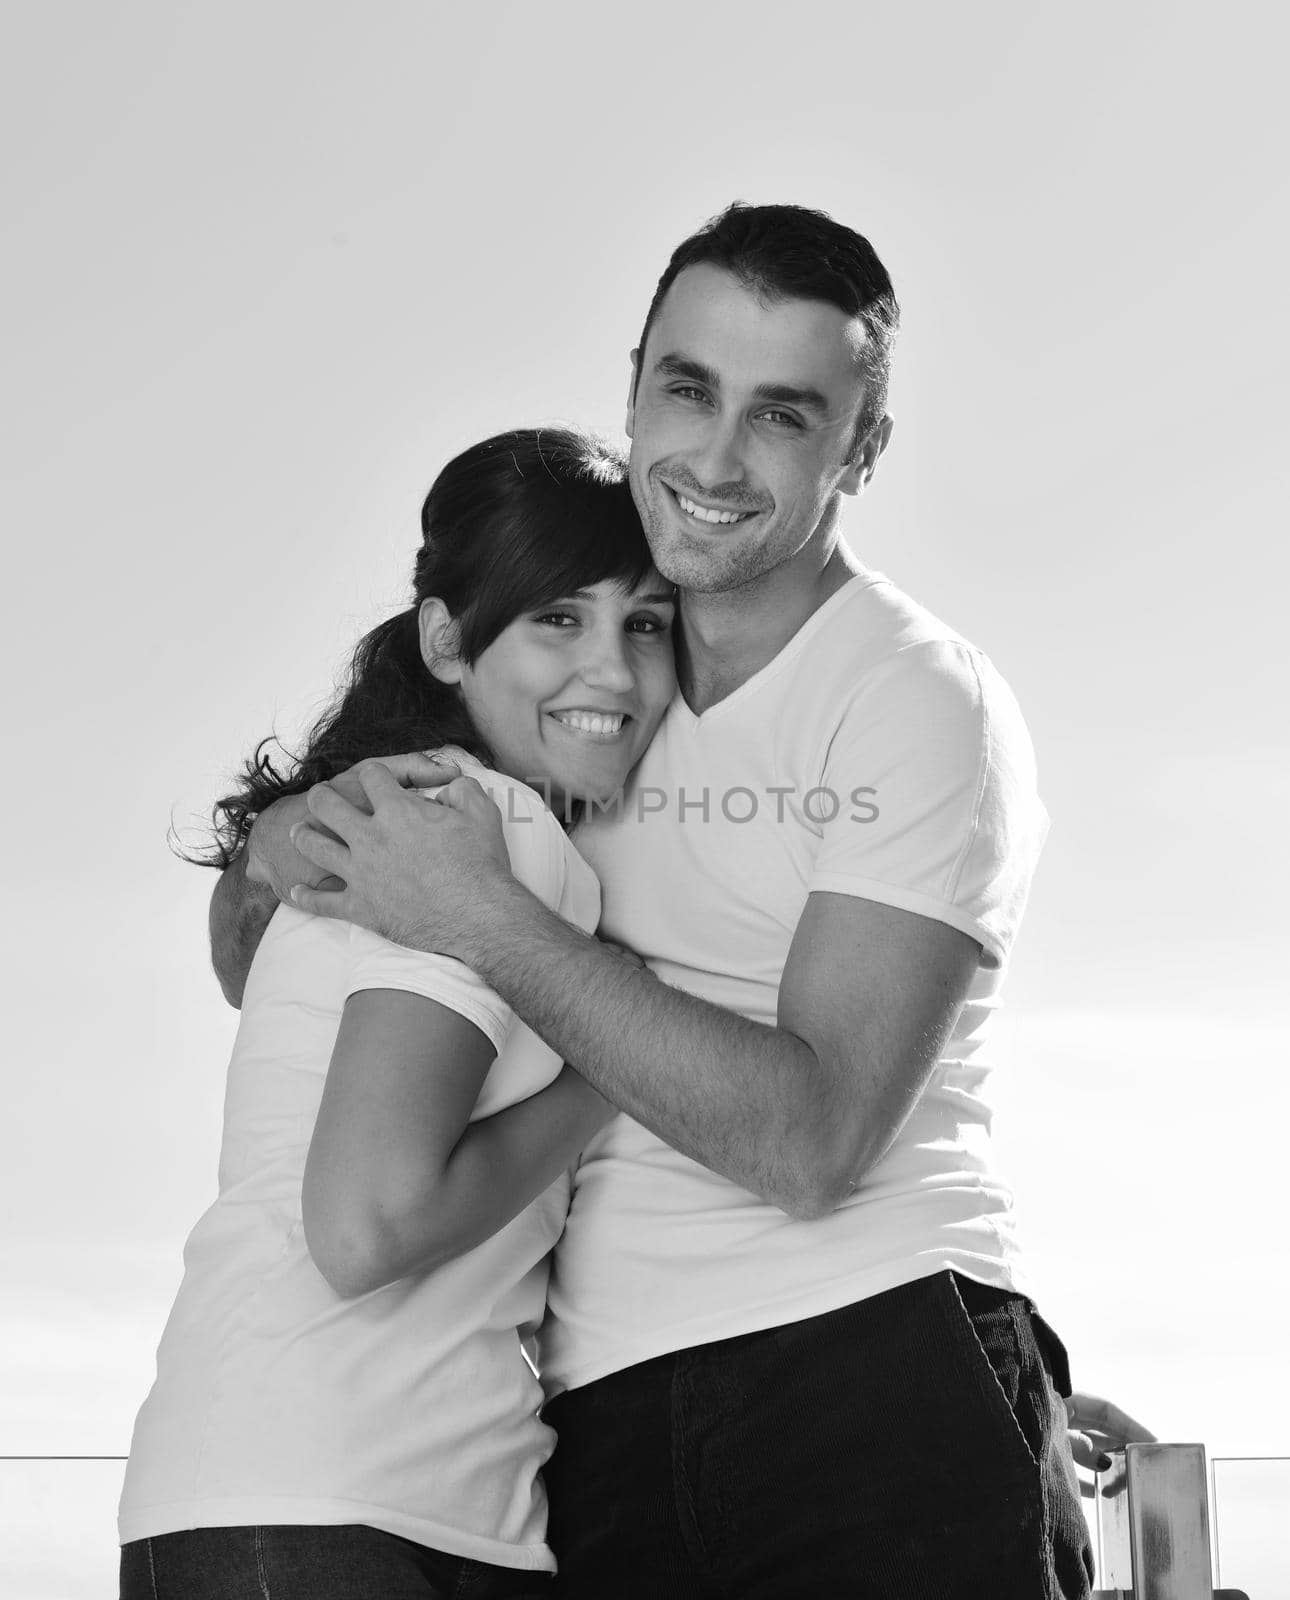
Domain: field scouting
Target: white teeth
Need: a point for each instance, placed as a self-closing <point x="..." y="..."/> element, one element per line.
<point x="590" y="721"/>
<point x="704" y="515"/>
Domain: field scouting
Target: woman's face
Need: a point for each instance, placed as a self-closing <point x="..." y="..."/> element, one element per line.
<point x="569" y="696"/>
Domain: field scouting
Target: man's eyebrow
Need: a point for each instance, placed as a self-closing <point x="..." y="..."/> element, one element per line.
<point x="676" y="365"/>
<point x="790" y="394"/>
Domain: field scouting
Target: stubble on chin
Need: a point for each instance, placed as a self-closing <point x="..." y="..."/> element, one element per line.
<point x="687" y="561"/>
<point x="699" y="571"/>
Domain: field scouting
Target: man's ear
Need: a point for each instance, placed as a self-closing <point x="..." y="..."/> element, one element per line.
<point x="864" y="463"/>
<point x="631" y="393"/>
<point x="440" y="640"/>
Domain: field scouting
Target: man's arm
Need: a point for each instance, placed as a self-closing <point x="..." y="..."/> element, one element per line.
<point x="239" y="914"/>
<point x="269" y="866"/>
<point x="797" y="1113"/>
<point x="249" y="891"/>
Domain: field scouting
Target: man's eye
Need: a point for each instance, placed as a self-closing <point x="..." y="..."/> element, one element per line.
<point x="687" y="391"/>
<point x="782" y="419"/>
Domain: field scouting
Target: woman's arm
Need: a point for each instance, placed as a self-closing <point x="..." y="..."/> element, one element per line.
<point x="398" y="1180"/>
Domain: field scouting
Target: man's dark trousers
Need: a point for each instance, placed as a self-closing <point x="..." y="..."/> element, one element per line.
<point x="906" y="1447"/>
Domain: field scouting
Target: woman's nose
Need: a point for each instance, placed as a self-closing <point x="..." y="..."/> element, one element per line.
<point x="606" y="664"/>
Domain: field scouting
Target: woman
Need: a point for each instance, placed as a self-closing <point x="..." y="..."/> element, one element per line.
<point x="342" y="1404"/>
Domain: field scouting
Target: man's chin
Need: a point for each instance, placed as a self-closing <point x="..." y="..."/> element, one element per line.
<point x="695" y="571"/>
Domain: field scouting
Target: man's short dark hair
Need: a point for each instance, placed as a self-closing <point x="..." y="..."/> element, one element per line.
<point x="792" y="253"/>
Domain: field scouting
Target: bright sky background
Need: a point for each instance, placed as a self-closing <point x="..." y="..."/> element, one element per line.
<point x="267" y="267"/>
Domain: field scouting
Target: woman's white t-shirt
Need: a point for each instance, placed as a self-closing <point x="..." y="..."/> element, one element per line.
<point x="412" y="1409"/>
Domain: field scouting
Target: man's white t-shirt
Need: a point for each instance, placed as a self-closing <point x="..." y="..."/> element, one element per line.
<point x="877" y="755"/>
<point x="411" y="1409"/>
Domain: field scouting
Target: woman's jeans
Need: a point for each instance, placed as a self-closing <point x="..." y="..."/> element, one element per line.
<point x="352" y="1562"/>
<point x="906" y="1447"/>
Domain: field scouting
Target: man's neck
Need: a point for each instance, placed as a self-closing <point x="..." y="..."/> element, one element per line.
<point x="727" y="638"/>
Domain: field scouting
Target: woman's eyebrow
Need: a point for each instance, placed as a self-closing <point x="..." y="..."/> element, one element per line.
<point x="664" y="597"/>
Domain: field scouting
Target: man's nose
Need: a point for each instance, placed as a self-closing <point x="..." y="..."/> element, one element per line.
<point x="719" y="458"/>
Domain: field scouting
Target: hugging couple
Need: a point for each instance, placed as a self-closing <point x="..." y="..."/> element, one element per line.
<point x="606" y="1206"/>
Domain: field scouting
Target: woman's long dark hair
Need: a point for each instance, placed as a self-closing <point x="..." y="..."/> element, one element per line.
<point x="509" y="526"/>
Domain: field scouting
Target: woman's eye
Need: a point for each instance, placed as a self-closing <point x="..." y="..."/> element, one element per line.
<point x="647" y="622"/>
<point x="556" y="619"/>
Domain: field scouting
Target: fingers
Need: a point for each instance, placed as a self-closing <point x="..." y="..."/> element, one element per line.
<point x="417" y="771"/>
<point x="463" y="794"/>
<point x="357" y="791"/>
<point x="321" y="902"/>
<point x="414" y="771"/>
<point x="347" y="785"/>
<point x="321" y="848"/>
<point x="1127" y="1429"/>
<point x="1094" y="1413"/>
<point x="1087" y="1453"/>
<point x="335" y="812"/>
<point x="378" y="782"/>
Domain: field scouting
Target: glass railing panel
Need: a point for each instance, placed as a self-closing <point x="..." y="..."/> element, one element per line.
<point x="58" y="1527"/>
<point x="1250" y="1512"/>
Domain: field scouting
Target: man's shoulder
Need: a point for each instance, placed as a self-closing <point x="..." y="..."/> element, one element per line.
<point x="885" y="658"/>
<point x="876" y="615"/>
<point x="879" y="639"/>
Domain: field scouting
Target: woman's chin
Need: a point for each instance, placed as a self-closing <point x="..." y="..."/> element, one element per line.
<point x="601" y="794"/>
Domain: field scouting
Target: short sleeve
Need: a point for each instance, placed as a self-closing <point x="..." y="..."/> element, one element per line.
<point x="930" y="802"/>
<point x="537" y="848"/>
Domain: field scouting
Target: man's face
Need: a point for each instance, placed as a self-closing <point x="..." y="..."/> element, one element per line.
<point x="742" y="420"/>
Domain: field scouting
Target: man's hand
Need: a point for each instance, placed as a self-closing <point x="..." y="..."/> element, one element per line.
<point x="416" y="870"/>
<point x="272" y="857"/>
<point x="1096" y="1426"/>
<point x="414" y="771"/>
<point x="269" y="867"/>
<point x="272" y="860"/>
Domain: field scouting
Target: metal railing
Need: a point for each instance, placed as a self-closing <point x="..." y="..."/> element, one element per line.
<point x="1168" y="1530"/>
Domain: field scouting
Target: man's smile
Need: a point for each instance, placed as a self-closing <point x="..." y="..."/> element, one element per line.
<point x="714" y="515"/>
<point x="707" y="514"/>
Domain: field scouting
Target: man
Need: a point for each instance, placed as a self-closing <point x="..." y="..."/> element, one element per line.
<point x="789" y="1346"/>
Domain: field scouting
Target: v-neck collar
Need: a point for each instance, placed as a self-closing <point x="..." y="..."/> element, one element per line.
<point x="786" y="655"/>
